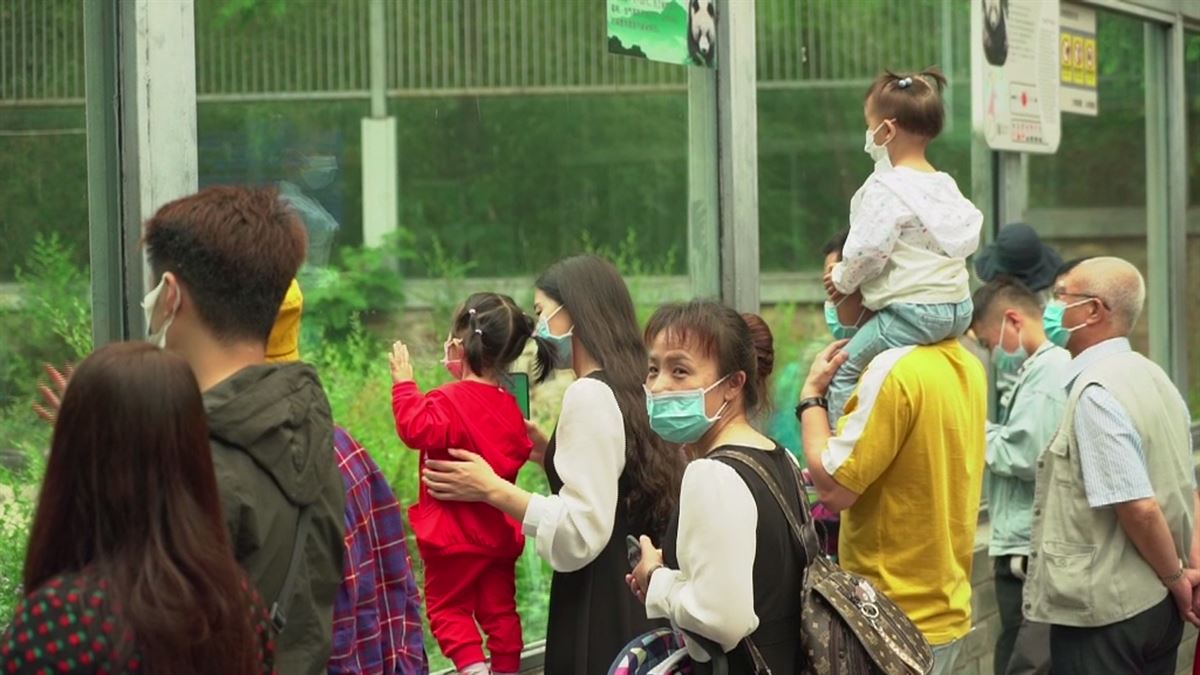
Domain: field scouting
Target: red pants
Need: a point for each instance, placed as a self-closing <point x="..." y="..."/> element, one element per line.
<point x="461" y="590"/>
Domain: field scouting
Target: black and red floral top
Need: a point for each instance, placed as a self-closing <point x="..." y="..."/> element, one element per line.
<point x="71" y="625"/>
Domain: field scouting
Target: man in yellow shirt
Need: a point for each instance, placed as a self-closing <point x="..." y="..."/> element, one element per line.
<point x="906" y="471"/>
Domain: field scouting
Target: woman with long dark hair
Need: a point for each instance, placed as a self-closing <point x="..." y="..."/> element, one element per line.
<point x="129" y="567"/>
<point x="611" y="475"/>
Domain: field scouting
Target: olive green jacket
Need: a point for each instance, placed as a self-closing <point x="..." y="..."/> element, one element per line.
<point x="271" y="433"/>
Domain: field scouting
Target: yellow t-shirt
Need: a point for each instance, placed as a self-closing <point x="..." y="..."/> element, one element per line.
<point x="912" y="446"/>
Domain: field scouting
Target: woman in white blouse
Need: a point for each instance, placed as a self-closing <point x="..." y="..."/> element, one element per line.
<point x="731" y="571"/>
<point x="611" y="475"/>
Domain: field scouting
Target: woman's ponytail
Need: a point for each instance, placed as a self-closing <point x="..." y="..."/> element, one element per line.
<point x="544" y="361"/>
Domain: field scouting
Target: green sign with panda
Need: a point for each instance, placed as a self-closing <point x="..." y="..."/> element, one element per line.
<point x="682" y="32"/>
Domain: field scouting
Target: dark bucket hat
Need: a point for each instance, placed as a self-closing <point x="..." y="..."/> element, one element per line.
<point x="1018" y="252"/>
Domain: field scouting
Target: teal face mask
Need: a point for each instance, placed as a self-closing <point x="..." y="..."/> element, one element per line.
<point x="563" y="348"/>
<point x="840" y="330"/>
<point x="1006" y="361"/>
<point x="1052" y="321"/>
<point x="679" y="416"/>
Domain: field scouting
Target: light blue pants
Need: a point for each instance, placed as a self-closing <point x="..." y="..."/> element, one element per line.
<point x="945" y="657"/>
<point x="898" y="325"/>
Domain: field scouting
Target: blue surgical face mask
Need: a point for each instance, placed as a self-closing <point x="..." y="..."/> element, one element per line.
<point x="1052" y="321"/>
<point x="680" y="416"/>
<point x="1006" y="361"/>
<point x="840" y="330"/>
<point x="563" y="349"/>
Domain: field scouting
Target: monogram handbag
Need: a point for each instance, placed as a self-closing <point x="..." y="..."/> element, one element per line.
<point x="848" y="626"/>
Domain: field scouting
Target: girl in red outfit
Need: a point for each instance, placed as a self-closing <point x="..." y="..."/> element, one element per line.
<point x="470" y="550"/>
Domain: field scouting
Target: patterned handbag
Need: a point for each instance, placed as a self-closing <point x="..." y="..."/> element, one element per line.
<point x="663" y="651"/>
<point x="848" y="626"/>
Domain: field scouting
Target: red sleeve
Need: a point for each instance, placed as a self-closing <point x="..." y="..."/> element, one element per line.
<point x="424" y="422"/>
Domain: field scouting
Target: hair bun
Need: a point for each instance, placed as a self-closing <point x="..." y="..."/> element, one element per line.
<point x="764" y="344"/>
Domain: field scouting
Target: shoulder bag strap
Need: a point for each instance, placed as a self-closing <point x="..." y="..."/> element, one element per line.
<point x="283" y="602"/>
<point x="805" y="533"/>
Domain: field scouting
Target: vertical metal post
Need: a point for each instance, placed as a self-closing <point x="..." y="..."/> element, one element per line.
<point x="1166" y="197"/>
<point x="141" y="137"/>
<point x="737" y="138"/>
<point x="157" y="67"/>
<point x="104" y="172"/>
<point x="380" y="161"/>
<point x="1012" y="176"/>
<point x="378" y="61"/>
<point x="704" y="229"/>
<point x="947" y="59"/>
<point x="1177" y="197"/>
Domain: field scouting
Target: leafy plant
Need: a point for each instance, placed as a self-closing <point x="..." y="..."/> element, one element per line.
<point x="50" y="322"/>
<point x="364" y="281"/>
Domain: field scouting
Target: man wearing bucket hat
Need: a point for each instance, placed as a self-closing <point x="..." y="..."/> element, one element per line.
<point x="1018" y="253"/>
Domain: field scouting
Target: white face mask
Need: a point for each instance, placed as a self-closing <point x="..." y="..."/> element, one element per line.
<point x="158" y="338"/>
<point x="318" y="171"/>
<point x="878" y="153"/>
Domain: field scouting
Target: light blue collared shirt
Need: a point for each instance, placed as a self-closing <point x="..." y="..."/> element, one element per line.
<point x="1013" y="446"/>
<point x="1111" y="452"/>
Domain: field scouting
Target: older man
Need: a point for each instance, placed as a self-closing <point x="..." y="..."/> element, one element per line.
<point x="1114" y="503"/>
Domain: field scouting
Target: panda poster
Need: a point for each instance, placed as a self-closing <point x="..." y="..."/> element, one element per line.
<point x="683" y="32"/>
<point x="1015" y="74"/>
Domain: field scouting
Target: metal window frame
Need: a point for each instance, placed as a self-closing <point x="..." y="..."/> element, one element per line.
<point x="141" y="143"/>
<point x="1166" y="181"/>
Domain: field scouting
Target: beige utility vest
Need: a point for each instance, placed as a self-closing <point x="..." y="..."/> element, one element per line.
<point x="1083" y="570"/>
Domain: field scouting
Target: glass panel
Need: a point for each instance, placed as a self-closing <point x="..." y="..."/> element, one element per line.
<point x="815" y="62"/>
<point x="1192" y="92"/>
<point x="518" y="141"/>
<point x="1065" y="205"/>
<point x="45" y="314"/>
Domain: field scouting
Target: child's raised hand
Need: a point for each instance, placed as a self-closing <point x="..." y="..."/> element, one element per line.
<point x="402" y="370"/>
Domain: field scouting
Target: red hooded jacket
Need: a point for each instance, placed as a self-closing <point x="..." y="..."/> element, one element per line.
<point x="473" y="416"/>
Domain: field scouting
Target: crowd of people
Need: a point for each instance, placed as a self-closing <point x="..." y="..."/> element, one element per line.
<point x="203" y="513"/>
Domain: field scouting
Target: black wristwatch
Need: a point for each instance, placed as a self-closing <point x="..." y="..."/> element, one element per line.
<point x="810" y="402"/>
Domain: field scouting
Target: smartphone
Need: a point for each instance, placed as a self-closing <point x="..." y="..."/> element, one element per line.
<point x="519" y="386"/>
<point x="633" y="550"/>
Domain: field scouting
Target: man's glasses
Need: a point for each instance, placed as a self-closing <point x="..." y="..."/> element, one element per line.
<point x="1059" y="294"/>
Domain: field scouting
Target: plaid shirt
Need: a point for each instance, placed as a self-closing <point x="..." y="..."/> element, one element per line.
<point x="377" y="616"/>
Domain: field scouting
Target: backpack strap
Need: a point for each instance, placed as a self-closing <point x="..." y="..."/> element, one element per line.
<point x="283" y="602"/>
<point x="805" y="532"/>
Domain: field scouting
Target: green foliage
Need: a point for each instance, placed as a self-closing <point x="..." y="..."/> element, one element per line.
<point x="18" y="500"/>
<point x="364" y="280"/>
<point x="49" y="323"/>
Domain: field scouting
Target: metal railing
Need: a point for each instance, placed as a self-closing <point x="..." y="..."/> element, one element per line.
<point x="303" y="49"/>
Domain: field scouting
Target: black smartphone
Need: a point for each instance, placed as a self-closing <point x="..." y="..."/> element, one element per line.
<point x="633" y="549"/>
<point x="519" y="386"/>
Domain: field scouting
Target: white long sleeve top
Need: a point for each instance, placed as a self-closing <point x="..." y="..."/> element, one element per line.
<point x="712" y="592"/>
<point x="574" y="526"/>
